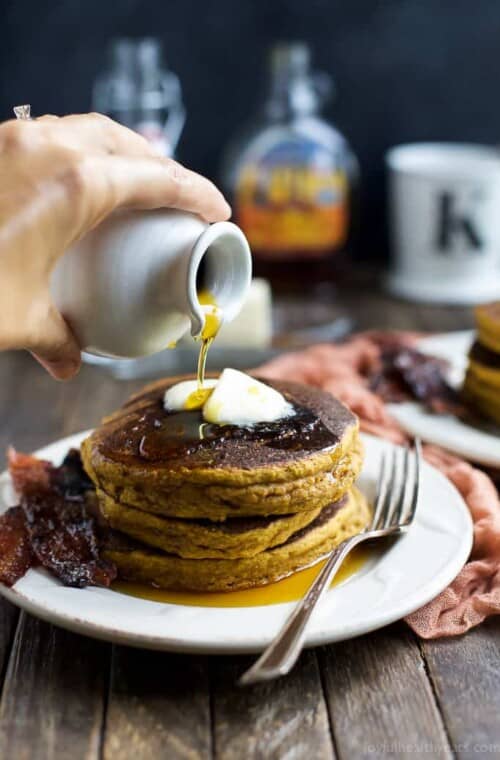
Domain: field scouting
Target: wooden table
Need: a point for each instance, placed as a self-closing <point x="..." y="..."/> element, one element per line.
<point x="383" y="695"/>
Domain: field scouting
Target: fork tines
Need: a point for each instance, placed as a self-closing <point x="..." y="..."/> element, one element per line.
<point x="397" y="493"/>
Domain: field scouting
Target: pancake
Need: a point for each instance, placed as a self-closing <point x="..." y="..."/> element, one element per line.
<point x="238" y="537"/>
<point x="488" y="325"/>
<point x="139" y="563"/>
<point x="157" y="461"/>
<point x="481" y="389"/>
<point x="484" y="397"/>
<point x="486" y="375"/>
<point x="483" y="406"/>
<point x="219" y="503"/>
<point x="484" y="364"/>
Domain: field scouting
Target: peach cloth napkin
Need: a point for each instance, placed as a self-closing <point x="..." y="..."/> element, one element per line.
<point x="343" y="370"/>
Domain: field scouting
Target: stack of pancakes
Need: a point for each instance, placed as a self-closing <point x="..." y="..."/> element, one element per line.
<point x="482" y="381"/>
<point x="205" y="507"/>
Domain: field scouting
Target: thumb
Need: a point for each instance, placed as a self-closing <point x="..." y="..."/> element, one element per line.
<point x="56" y="347"/>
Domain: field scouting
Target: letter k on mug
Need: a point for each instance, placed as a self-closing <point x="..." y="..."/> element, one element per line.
<point x="444" y="219"/>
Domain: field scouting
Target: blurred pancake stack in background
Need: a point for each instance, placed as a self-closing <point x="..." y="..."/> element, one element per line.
<point x="482" y="381"/>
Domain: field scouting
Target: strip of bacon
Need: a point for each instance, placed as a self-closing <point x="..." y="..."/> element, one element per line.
<point x="27" y="472"/>
<point x="405" y="373"/>
<point x="16" y="556"/>
<point x="63" y="538"/>
<point x="52" y="526"/>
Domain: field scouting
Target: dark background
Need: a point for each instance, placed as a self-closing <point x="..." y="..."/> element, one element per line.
<point x="404" y="69"/>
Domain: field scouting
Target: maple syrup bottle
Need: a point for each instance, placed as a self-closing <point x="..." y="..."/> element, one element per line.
<point x="292" y="177"/>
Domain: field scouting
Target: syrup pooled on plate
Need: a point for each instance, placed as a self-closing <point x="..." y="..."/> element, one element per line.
<point x="289" y="589"/>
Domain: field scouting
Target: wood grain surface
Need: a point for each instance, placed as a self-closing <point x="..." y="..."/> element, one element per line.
<point x="382" y="695"/>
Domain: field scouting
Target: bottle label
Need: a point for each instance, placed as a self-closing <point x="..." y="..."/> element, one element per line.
<point x="293" y="201"/>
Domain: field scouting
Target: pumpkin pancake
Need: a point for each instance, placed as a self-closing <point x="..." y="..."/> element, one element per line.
<point x="174" y="464"/>
<point x="483" y="396"/>
<point x="140" y="563"/>
<point x="481" y="389"/>
<point x="237" y="537"/>
<point x="484" y="364"/>
<point x="488" y="325"/>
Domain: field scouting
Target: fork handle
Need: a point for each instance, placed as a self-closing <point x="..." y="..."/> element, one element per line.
<point x="283" y="652"/>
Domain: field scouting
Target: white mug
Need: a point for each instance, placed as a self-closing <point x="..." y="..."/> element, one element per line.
<point x="444" y="220"/>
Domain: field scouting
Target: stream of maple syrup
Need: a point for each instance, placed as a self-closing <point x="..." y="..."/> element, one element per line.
<point x="213" y="320"/>
<point x="290" y="589"/>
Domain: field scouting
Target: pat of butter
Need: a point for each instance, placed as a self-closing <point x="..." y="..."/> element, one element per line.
<point x="239" y="399"/>
<point x="253" y="327"/>
<point x="186" y="396"/>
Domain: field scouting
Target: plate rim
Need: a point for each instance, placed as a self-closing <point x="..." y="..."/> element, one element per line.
<point x="108" y="633"/>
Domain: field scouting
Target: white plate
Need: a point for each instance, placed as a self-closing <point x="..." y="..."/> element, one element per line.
<point x="410" y="573"/>
<point x="474" y="443"/>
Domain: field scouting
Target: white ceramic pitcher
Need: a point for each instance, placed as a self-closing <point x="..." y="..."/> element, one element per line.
<point x="129" y="288"/>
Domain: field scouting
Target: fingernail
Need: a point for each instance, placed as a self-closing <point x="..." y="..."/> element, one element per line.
<point x="65" y="370"/>
<point x="59" y="370"/>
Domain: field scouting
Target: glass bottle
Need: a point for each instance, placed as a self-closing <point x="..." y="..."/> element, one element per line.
<point x="291" y="177"/>
<point x="139" y="92"/>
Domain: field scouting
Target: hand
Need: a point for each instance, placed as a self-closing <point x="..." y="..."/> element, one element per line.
<point x="60" y="177"/>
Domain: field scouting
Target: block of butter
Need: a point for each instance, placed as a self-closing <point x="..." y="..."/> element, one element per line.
<point x="253" y="327"/>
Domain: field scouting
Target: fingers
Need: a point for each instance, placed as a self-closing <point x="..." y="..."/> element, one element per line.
<point x="57" y="349"/>
<point x="115" y="167"/>
<point x="96" y="133"/>
<point x="149" y="183"/>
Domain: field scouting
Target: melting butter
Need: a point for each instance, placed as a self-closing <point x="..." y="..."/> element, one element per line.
<point x="197" y="398"/>
<point x="239" y="399"/>
<point x="186" y="396"/>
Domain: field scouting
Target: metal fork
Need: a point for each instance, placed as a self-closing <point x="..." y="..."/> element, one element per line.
<point x="393" y="514"/>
